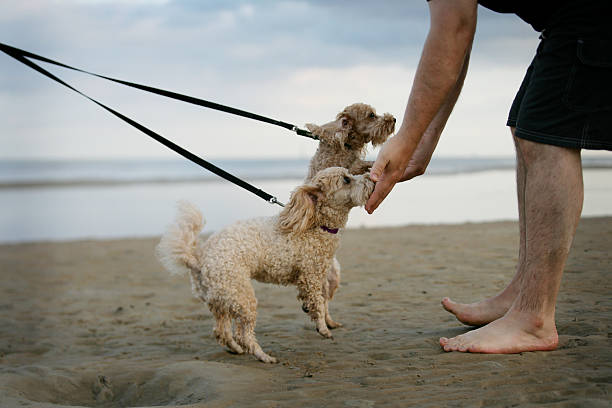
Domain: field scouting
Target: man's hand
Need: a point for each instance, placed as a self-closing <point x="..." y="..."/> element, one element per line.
<point x="388" y="169"/>
<point x="435" y="89"/>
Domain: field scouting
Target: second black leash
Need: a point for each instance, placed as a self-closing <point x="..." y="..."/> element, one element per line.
<point x="22" y="56"/>
<point x="13" y="51"/>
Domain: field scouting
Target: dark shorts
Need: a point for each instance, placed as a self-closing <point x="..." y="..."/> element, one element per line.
<point x="566" y="96"/>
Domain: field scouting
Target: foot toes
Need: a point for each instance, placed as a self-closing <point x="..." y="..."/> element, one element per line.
<point x="447" y="304"/>
<point x="454" y="344"/>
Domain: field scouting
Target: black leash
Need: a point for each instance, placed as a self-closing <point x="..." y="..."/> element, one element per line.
<point x="12" y="51"/>
<point x="22" y="56"/>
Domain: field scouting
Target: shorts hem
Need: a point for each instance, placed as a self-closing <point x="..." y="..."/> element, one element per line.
<point x="560" y="140"/>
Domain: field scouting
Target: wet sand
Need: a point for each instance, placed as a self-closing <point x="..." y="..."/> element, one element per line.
<point x="99" y="323"/>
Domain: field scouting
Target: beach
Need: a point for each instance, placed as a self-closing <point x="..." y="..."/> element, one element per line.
<point x="99" y="323"/>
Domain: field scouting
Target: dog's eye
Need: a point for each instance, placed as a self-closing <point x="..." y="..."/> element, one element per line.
<point x="371" y="115"/>
<point x="347" y="180"/>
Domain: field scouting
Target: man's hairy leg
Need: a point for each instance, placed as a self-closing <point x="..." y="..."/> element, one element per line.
<point x="488" y="310"/>
<point x="553" y="203"/>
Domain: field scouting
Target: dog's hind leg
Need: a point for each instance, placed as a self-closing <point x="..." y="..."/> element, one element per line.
<point x="245" y="314"/>
<point x="223" y="331"/>
<point x="330" y="285"/>
<point x="310" y="292"/>
<point x="245" y="332"/>
<point x="331" y="323"/>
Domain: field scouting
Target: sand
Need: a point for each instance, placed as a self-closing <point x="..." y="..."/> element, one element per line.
<point x="99" y="323"/>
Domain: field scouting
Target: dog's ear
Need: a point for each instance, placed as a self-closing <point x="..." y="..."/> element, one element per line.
<point x="299" y="215"/>
<point x="344" y="113"/>
<point x="345" y="122"/>
<point x="335" y="133"/>
<point x="344" y="127"/>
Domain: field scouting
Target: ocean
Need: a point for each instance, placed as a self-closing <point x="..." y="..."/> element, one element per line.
<point x="106" y="199"/>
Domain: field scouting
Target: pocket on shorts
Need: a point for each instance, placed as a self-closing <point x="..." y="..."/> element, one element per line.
<point x="589" y="88"/>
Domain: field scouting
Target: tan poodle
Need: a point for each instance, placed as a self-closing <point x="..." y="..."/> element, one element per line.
<point x="343" y="143"/>
<point x="295" y="247"/>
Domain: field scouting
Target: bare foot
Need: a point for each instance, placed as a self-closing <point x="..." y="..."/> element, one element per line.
<point x="514" y="333"/>
<point x="480" y="313"/>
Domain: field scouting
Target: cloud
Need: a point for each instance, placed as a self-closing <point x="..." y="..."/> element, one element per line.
<point x="298" y="61"/>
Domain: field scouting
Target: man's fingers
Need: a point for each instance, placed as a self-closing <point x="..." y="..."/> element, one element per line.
<point x="378" y="168"/>
<point x="381" y="190"/>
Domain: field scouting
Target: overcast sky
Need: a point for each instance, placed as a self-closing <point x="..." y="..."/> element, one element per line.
<point x="296" y="61"/>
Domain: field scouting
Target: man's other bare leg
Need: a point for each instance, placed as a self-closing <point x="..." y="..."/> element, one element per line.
<point x="488" y="310"/>
<point x="553" y="203"/>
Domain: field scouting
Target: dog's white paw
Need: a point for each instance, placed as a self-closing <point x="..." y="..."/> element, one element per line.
<point x="332" y="324"/>
<point x="263" y="357"/>
<point x="325" y="332"/>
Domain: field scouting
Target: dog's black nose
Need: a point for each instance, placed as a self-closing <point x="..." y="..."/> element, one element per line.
<point x="304" y="308"/>
<point x="394" y="120"/>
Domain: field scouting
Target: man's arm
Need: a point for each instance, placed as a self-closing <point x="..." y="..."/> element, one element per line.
<point x="451" y="32"/>
<point x="422" y="155"/>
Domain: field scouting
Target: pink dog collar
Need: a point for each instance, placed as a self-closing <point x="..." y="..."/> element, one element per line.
<point x="330" y="230"/>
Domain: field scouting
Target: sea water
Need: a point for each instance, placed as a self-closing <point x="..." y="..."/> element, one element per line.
<point x="72" y="200"/>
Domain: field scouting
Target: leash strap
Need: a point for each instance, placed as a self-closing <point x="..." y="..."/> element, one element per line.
<point x="12" y="51"/>
<point x="21" y="57"/>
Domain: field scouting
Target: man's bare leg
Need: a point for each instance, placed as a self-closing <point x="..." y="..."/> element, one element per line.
<point x="488" y="310"/>
<point x="553" y="203"/>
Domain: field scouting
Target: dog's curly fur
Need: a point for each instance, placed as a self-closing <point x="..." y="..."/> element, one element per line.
<point x="291" y="248"/>
<point x="343" y="141"/>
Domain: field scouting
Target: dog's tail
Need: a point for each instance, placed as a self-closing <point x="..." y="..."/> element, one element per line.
<point x="179" y="246"/>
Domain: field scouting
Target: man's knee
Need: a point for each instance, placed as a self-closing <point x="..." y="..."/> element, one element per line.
<point x="530" y="151"/>
<point x="535" y="152"/>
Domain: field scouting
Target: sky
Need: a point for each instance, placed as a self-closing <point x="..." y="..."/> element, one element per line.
<point x="295" y="61"/>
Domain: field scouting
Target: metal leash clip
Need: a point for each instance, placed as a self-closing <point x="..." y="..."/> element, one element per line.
<point x="274" y="200"/>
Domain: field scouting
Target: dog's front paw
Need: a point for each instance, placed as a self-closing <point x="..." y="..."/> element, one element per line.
<point x="361" y="168"/>
<point x="325" y="332"/>
<point x="265" y="358"/>
<point x="332" y="324"/>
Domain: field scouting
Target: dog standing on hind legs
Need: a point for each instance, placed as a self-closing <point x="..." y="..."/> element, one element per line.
<point x="343" y="143"/>
<point x="296" y="247"/>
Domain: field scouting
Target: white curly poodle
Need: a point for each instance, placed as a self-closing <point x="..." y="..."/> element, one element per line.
<point x="295" y="247"/>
